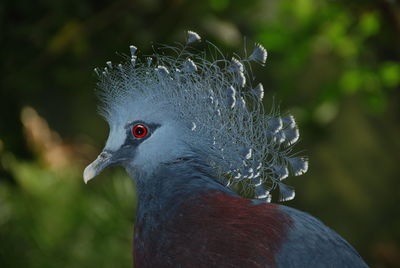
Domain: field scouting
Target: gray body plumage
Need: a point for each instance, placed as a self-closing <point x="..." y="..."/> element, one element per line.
<point x="311" y="243"/>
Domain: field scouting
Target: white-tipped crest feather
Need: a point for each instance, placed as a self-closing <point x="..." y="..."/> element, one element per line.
<point x="189" y="66"/>
<point x="258" y="91"/>
<point x="133" y="50"/>
<point x="192" y="37"/>
<point x="259" y="54"/>
<point x="286" y="192"/>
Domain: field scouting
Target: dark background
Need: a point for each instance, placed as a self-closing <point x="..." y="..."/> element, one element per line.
<point x="334" y="64"/>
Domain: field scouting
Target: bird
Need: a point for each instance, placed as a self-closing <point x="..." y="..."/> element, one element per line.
<point x="190" y="128"/>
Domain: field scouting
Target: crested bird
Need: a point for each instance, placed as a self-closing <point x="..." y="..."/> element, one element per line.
<point x="194" y="135"/>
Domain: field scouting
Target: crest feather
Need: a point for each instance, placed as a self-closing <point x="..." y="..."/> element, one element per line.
<point x="223" y="113"/>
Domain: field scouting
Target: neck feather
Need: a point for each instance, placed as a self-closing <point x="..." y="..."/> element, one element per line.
<point x="171" y="184"/>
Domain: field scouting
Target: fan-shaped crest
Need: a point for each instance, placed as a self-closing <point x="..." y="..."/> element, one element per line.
<point x="215" y="99"/>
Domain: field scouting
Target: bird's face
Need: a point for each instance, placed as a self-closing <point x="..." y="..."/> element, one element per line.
<point x="139" y="144"/>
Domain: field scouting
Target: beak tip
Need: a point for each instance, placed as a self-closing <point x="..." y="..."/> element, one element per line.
<point x="92" y="170"/>
<point x="88" y="174"/>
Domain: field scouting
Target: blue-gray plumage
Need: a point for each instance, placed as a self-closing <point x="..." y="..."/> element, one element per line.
<point x="185" y="129"/>
<point x="310" y="243"/>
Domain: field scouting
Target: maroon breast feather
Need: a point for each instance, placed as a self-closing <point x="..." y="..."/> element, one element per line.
<point x="216" y="230"/>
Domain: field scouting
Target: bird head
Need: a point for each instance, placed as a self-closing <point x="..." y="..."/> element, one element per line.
<point x="141" y="140"/>
<point x="178" y="104"/>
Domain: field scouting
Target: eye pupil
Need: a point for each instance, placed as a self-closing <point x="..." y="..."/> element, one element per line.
<point x="139" y="131"/>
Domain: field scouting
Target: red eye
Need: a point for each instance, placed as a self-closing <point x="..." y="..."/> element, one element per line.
<point x="139" y="131"/>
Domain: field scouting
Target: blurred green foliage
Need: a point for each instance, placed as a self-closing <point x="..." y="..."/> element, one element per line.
<point x="334" y="64"/>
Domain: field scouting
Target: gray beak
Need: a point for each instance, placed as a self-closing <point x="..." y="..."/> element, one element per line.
<point x="97" y="166"/>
